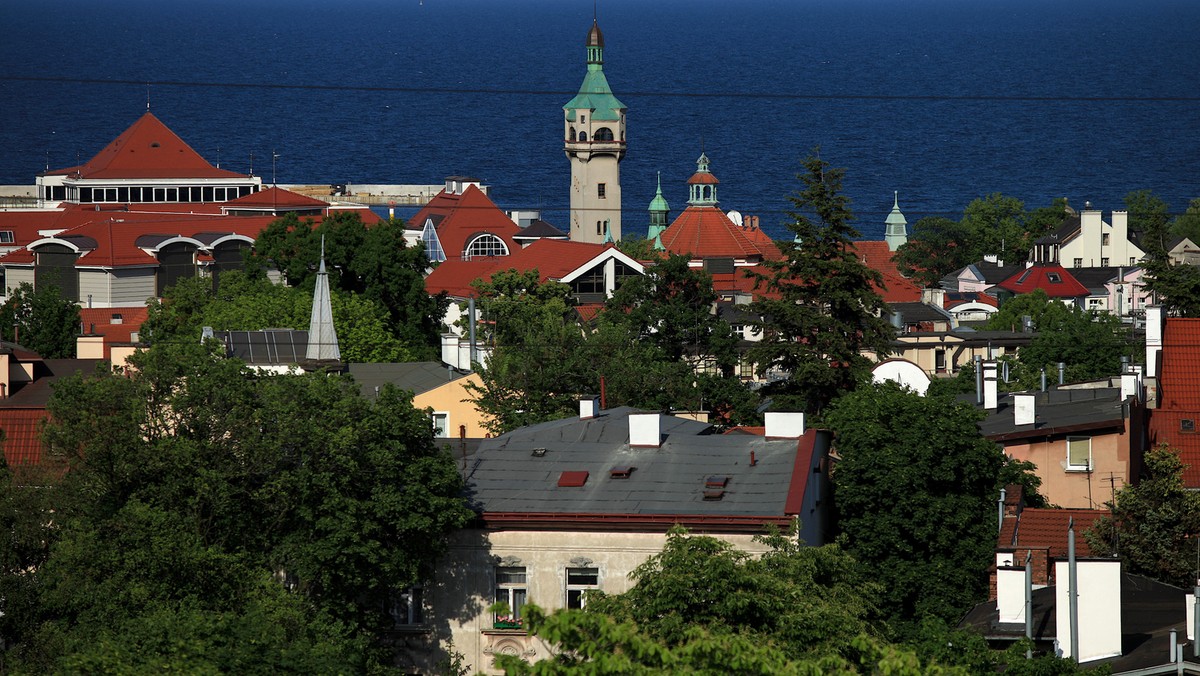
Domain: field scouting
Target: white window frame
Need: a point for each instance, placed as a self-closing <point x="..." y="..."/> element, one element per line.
<point x="512" y="587"/>
<point x="488" y="245"/>
<point x="444" y="431"/>
<point x="1076" y="467"/>
<point x="576" y="589"/>
<point x="406" y="607"/>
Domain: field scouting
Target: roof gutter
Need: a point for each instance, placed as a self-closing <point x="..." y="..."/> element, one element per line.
<point x="718" y="523"/>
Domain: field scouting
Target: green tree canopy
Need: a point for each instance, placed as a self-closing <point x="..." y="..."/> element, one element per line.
<point x="42" y="320"/>
<point x="915" y="490"/>
<point x="820" y="306"/>
<point x="1155" y="523"/>
<point x="195" y="486"/>
<point x="1176" y="287"/>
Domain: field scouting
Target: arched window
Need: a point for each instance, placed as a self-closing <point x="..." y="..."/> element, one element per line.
<point x="582" y="136"/>
<point x="486" y="245"/>
<point x="55" y="266"/>
<point x="708" y="192"/>
<point x="603" y="134"/>
<point x="228" y="256"/>
<point x="175" y="262"/>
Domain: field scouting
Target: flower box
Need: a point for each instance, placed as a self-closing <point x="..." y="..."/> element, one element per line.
<point x="506" y="624"/>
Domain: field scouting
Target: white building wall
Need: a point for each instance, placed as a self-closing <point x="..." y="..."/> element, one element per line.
<point x="464" y="586"/>
<point x="94" y="283"/>
<point x="132" y="286"/>
<point x="1089" y="247"/>
<point x="15" y="276"/>
<point x="1099" y="609"/>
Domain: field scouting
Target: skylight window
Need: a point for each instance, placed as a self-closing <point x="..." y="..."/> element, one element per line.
<point x="1054" y="277"/>
<point x="572" y="479"/>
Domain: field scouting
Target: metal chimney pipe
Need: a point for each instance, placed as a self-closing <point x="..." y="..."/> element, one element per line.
<point x="1073" y="590"/>
<point x="1062" y="369"/>
<point x="1196" y="621"/>
<point x="1043" y="378"/>
<point x="1029" y="601"/>
<point x="978" y="379"/>
<point x="1000" y="510"/>
<point x="1173" y="643"/>
<point x="471" y="322"/>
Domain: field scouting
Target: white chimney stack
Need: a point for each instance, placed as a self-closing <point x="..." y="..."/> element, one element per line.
<point x="1024" y="408"/>
<point x="784" y="425"/>
<point x="990" y="394"/>
<point x="1154" y="338"/>
<point x="1130" y="386"/>
<point x="645" y="429"/>
<point x="1010" y="594"/>
<point x="1099" y="608"/>
<point x="589" y="408"/>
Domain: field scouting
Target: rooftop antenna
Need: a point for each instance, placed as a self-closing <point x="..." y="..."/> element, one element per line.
<point x="251" y="163"/>
<point x="218" y="157"/>
<point x="147" y="97"/>
<point x="274" y="156"/>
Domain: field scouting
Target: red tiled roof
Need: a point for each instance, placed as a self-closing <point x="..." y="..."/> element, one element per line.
<point x="706" y="232"/>
<point x="463" y="217"/>
<point x="276" y="197"/>
<point x="25" y="225"/>
<point x="148" y="149"/>
<point x="1179" y="394"/>
<point x="21" y="427"/>
<point x="99" y="321"/>
<point x="552" y="258"/>
<point x="896" y="287"/>
<point x="702" y="178"/>
<point x="1038" y="528"/>
<point x="588" y="311"/>
<point x="1038" y="277"/>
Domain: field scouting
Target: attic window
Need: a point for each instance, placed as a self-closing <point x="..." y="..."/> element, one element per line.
<point x="572" y="479"/>
<point x="1021" y="279"/>
<point x="6" y="237"/>
<point x="716" y="482"/>
<point x="620" y="472"/>
<point x="1054" y="277"/>
<point x="154" y="145"/>
<point x="1187" y="425"/>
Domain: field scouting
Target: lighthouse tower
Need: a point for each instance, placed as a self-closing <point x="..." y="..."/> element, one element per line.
<point x="594" y="127"/>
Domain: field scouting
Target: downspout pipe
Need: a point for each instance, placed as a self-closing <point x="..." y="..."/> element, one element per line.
<point x="1073" y="590"/>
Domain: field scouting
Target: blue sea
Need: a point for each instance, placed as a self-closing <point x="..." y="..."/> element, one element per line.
<point x="941" y="100"/>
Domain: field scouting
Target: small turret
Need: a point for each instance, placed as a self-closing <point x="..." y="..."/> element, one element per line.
<point x="659" y="212"/>
<point x="896" y="233"/>
<point x="702" y="186"/>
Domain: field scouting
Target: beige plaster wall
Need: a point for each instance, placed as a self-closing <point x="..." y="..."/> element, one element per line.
<point x="462" y="591"/>
<point x="1076" y="488"/>
<point x="454" y="399"/>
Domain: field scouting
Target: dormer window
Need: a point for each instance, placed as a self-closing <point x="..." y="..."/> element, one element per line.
<point x="1054" y="277"/>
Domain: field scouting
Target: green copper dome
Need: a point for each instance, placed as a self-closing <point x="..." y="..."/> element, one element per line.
<point x="594" y="94"/>
<point x="659" y="203"/>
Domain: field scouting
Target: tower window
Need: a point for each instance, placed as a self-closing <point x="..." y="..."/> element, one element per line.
<point x="599" y="227"/>
<point x="583" y="119"/>
<point x="603" y="134"/>
<point x="582" y="136"/>
<point x="600" y="190"/>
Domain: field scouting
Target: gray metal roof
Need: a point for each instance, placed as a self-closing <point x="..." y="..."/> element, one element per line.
<point x="416" y="377"/>
<point x="1057" y="411"/>
<point x="507" y="475"/>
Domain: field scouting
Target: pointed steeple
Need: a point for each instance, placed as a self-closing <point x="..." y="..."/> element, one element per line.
<point x="322" y="338"/>
<point x="659" y="212"/>
<point x="702" y="186"/>
<point x="896" y="233"/>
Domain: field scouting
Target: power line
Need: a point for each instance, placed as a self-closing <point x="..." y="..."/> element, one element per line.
<point x="656" y="94"/>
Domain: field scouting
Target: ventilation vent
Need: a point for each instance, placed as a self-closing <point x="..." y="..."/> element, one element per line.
<point x="572" y="479"/>
<point x="1187" y="425"/>
<point x="621" y="472"/>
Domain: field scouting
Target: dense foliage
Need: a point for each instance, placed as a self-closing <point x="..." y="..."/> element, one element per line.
<point x="915" y="491"/>
<point x="215" y="521"/>
<point x="374" y="262"/>
<point x="1176" y="287"/>
<point x="820" y="306"/>
<point x="1155" y="523"/>
<point x="41" y="320"/>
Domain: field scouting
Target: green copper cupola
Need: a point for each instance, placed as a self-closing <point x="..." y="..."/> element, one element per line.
<point x="896" y="233"/>
<point x="659" y="211"/>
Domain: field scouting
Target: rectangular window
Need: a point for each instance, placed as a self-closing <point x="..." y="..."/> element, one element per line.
<point x="122" y="194"/>
<point x="1104" y="262"/>
<point x="939" y="361"/>
<point x="441" y="424"/>
<point x="579" y="580"/>
<point x="1079" y="453"/>
<point x="405" y="607"/>
<point x="1104" y="239"/>
<point x="160" y="195"/>
<point x="599" y="227"/>
<point x="600" y="190"/>
<point x="172" y="194"/>
<point x="510" y="590"/>
<point x="1078" y="263"/>
<point x="6" y="236"/>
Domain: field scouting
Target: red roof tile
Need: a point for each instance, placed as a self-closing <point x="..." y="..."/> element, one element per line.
<point x="1047" y="528"/>
<point x="706" y="232"/>
<point x="464" y="216"/>
<point x="1041" y="276"/>
<point x="22" y="442"/>
<point x="552" y="258"/>
<point x="702" y="178"/>
<point x="101" y="321"/>
<point x="275" y="197"/>
<point x="148" y="149"/>
<point x="1179" y="394"/>
<point x="896" y="287"/>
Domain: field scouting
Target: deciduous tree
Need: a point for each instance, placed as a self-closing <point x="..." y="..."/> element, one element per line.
<point x="41" y="320"/>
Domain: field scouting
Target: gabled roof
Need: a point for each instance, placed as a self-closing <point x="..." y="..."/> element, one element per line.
<point x="1049" y="277"/>
<point x="706" y="232"/>
<point x="539" y="229"/>
<point x="896" y="287"/>
<point x="115" y="324"/>
<point x="463" y="217"/>
<point x="1035" y="528"/>
<point x="1179" y="395"/>
<point x="22" y="440"/>
<point x="416" y="377"/>
<point x="148" y="149"/>
<point x="275" y="198"/>
<point x="554" y="259"/>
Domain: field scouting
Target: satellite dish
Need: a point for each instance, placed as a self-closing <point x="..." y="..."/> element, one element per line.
<point x="904" y="372"/>
<point x="736" y="217"/>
